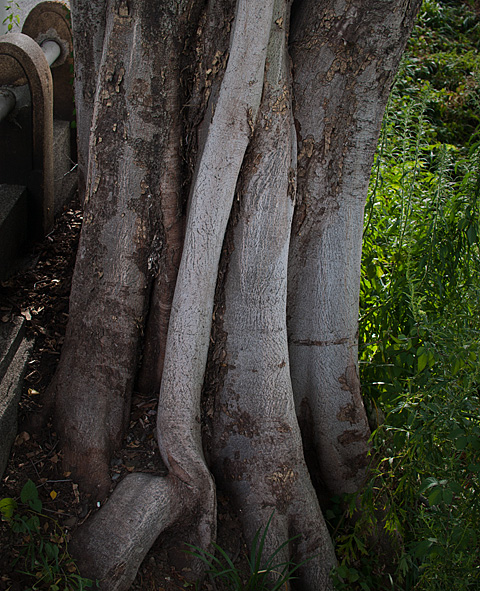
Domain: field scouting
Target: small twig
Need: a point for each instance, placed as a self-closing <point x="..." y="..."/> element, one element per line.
<point x="44" y="509"/>
<point x="64" y="480"/>
<point x="67" y="173"/>
<point x="33" y="464"/>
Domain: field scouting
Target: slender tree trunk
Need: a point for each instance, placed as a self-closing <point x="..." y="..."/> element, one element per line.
<point x="257" y="448"/>
<point x="280" y="119"/>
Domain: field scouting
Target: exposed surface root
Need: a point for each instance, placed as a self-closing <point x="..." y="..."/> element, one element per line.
<point x="112" y="544"/>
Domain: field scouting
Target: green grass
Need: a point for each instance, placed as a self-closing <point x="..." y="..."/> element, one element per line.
<point x="266" y="573"/>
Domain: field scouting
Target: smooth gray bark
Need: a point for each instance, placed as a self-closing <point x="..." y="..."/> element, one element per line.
<point x="344" y="58"/>
<point x="113" y="543"/>
<point x="258" y="455"/>
<point x="212" y="196"/>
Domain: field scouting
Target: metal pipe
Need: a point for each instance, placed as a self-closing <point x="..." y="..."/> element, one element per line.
<point x="52" y="50"/>
<point x="9" y="96"/>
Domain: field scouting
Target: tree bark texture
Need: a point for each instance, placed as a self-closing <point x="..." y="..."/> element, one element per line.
<point x="228" y="157"/>
<point x="345" y="56"/>
<point x="88" y="27"/>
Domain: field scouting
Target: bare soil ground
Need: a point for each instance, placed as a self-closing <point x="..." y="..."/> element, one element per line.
<point x="40" y="293"/>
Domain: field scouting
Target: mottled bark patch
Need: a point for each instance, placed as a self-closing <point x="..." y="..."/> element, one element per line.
<point x="356" y="464"/>
<point x="242" y="423"/>
<point x="350" y="380"/>
<point x="353" y="411"/>
<point x="236" y="470"/>
<point x="351" y="436"/>
<point x="283" y="427"/>
<point x="281" y="483"/>
<point x="348" y="412"/>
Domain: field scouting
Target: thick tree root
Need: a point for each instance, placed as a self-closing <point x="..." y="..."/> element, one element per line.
<point x="111" y="545"/>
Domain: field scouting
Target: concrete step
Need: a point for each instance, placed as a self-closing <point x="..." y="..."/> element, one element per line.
<point x="14" y="354"/>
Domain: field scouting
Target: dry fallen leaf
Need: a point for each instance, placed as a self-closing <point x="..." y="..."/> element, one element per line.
<point x="75" y="492"/>
<point x="26" y="314"/>
<point x="22" y="437"/>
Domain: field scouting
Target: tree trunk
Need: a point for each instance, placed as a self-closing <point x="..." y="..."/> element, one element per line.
<point x="88" y="27"/>
<point x="345" y="58"/>
<point x="130" y="208"/>
<point x="226" y="104"/>
<point x="257" y="449"/>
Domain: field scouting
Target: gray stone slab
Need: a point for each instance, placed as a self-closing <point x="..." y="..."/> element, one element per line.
<point x="11" y="335"/>
<point x="10" y="390"/>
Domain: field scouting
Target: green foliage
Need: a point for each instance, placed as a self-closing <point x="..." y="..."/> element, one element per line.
<point x="443" y="52"/>
<point x="13" y="18"/>
<point x="420" y="319"/>
<point x="40" y="547"/>
<point x="265" y="574"/>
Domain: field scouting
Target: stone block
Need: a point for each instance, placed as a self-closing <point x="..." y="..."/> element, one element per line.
<point x="11" y="335"/>
<point x="15" y="351"/>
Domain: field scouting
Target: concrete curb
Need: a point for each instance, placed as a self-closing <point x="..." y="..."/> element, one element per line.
<point x="14" y="354"/>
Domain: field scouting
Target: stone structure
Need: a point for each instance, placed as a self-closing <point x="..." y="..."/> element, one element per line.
<point x="37" y="148"/>
<point x="36" y="152"/>
<point x="27" y="140"/>
<point x="14" y="352"/>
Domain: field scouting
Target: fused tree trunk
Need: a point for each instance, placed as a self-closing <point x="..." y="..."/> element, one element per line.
<point x="229" y="150"/>
<point x="131" y="203"/>
<point x="257" y="447"/>
<point x="345" y="58"/>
